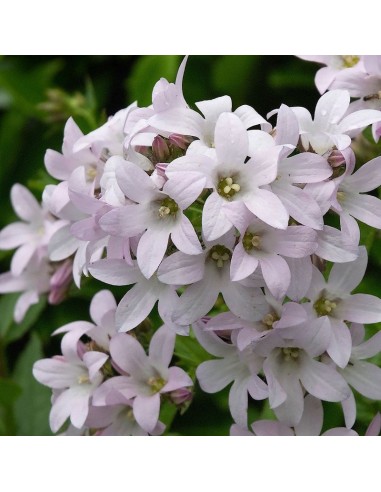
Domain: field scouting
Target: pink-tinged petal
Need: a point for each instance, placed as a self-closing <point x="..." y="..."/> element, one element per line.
<point x="271" y="428"/>
<point x="277" y="395"/>
<point x="287" y="127"/>
<point x="128" y="221"/>
<point x="367" y="178"/>
<point x="359" y="119"/>
<point x="259" y="141"/>
<point x="301" y="275"/>
<point x="330" y="108"/>
<point x="250" y="117"/>
<point x="146" y="411"/>
<point x="365" y="208"/>
<point x="322" y="193"/>
<point x="344" y="277"/>
<point x="62" y="244"/>
<point x="224" y="321"/>
<point x="102" y="302"/>
<point x="135" y="306"/>
<point x="115" y="272"/>
<point x="349" y="227"/>
<point x="295" y="242"/>
<point x="242" y="264"/>
<point x="340" y="345"/>
<point x="324" y="78"/>
<point x="115" y="391"/>
<point x="184" y="237"/>
<point x="161" y="347"/>
<point x="375" y="426"/>
<point x="342" y="142"/>
<point x="300" y="205"/>
<point x="312" y="419"/>
<point x="304" y="119"/>
<point x="177" y="378"/>
<point x="184" y="121"/>
<point x="349" y="410"/>
<point x="367" y="349"/>
<point x="292" y="314"/>
<point x="24" y="203"/>
<point x="357" y="334"/>
<point x="334" y="245"/>
<point x="238" y="214"/>
<point x="264" y="166"/>
<point x="360" y="308"/>
<point x="192" y="167"/>
<point x="13" y="235"/>
<point x="290" y="412"/>
<point x="215" y="375"/>
<point x="305" y="168"/>
<point x="185" y="192"/>
<point x="238" y="401"/>
<point x="249" y="304"/>
<point x="60" y="411"/>
<point x="237" y="430"/>
<point x="133" y="181"/>
<point x="94" y="361"/>
<point x="257" y="388"/>
<point x="230" y="139"/>
<point x="322" y="381"/>
<point x="277" y="275"/>
<point x="197" y="300"/>
<point x="181" y="269"/>
<point x="23" y="303"/>
<point x="318" y="333"/>
<point x="267" y="207"/>
<point x="365" y="378"/>
<point x="151" y="250"/>
<point x="56" y="373"/>
<point x="211" y="342"/>
<point x="130" y="356"/>
<point x="214" y="221"/>
<point x="340" y="431"/>
<point x="22" y="258"/>
<point x="87" y="230"/>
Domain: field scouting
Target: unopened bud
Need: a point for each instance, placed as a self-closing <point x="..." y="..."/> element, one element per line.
<point x="181" y="141"/>
<point x="160" y="169"/>
<point x="336" y="159"/>
<point x="160" y="149"/>
<point x="60" y="282"/>
<point x="181" y="397"/>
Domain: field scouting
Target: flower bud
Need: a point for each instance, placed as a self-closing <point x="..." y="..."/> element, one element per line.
<point x="60" y="282"/>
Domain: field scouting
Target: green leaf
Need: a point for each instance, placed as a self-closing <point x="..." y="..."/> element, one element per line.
<point x="190" y="352"/>
<point x="146" y="72"/>
<point x="7" y="306"/>
<point x="230" y="75"/>
<point x="31" y="410"/>
<point x="9" y="392"/>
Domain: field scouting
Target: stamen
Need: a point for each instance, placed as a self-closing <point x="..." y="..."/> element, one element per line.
<point x="227" y="188"/>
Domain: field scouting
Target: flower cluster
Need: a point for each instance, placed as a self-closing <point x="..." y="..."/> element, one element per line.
<point x="183" y="206"/>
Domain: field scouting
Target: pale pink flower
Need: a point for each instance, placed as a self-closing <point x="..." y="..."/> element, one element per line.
<point x="147" y="376"/>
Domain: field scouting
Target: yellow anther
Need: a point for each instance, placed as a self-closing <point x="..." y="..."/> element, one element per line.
<point x="215" y="255"/>
<point x="164" y="211"/>
<point x="225" y="257"/>
<point x="227" y="189"/>
<point x="229" y="181"/>
<point x="256" y="241"/>
<point x="235" y="187"/>
<point x="220" y="263"/>
<point x="83" y="379"/>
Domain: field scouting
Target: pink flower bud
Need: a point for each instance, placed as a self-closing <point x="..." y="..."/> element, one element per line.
<point x="181" y="396"/>
<point x="181" y="141"/>
<point x="336" y="159"/>
<point x="60" y="282"/>
<point x="160" y="149"/>
<point x="160" y="169"/>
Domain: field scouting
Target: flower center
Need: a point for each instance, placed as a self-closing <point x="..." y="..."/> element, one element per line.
<point x="91" y="173"/>
<point x="290" y="353"/>
<point x="340" y="196"/>
<point x="324" y="307"/>
<point x="156" y="383"/>
<point x="251" y="241"/>
<point x="350" y="60"/>
<point x="227" y="188"/>
<point x="83" y="379"/>
<point x="220" y="254"/>
<point x="269" y="320"/>
<point x="167" y="207"/>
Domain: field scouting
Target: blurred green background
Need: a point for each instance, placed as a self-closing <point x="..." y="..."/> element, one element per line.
<point x="37" y="95"/>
